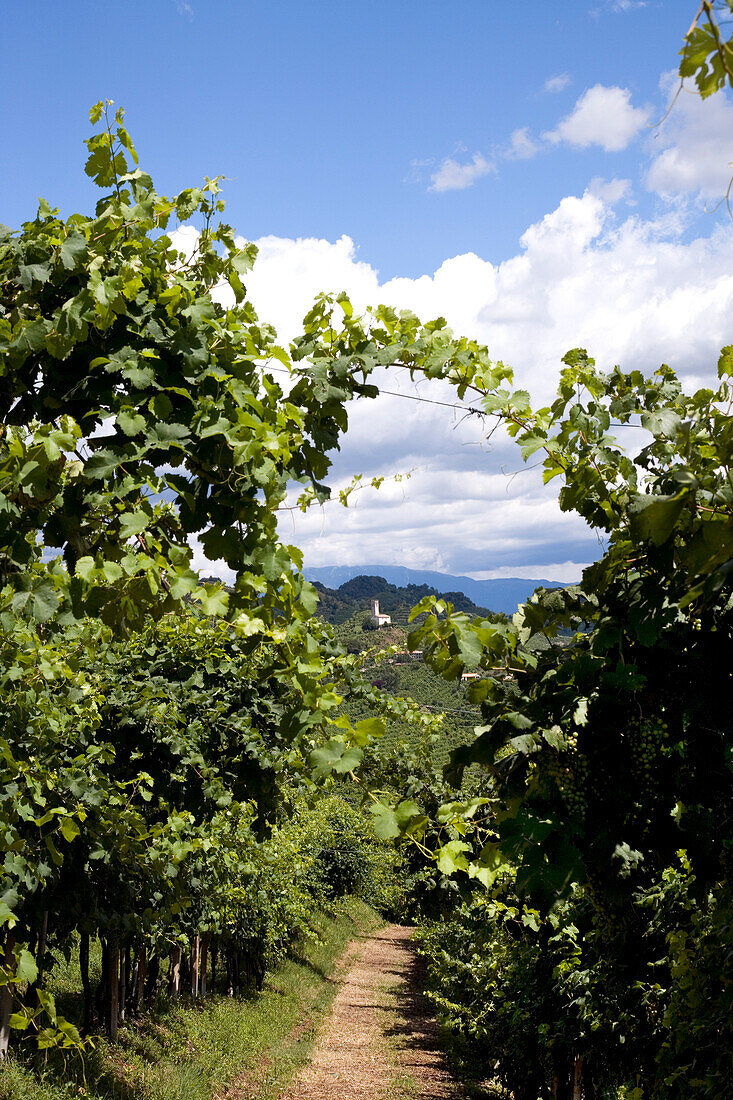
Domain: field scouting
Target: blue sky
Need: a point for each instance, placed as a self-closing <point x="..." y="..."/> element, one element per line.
<point x="317" y="111"/>
<point x="495" y="163"/>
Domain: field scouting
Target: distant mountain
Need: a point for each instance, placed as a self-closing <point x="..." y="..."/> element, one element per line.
<point x="498" y="595"/>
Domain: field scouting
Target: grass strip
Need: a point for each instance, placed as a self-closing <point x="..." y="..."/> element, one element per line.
<point x="221" y="1049"/>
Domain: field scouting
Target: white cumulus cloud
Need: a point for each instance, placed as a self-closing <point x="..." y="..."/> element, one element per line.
<point x="602" y="116"/>
<point x="451" y="175"/>
<point x="691" y="152"/>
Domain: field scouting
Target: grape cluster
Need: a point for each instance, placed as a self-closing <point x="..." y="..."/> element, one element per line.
<point x="650" y="740"/>
<point x="570" y="776"/>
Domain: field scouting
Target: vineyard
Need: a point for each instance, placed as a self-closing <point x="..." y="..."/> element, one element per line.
<point x="196" y="778"/>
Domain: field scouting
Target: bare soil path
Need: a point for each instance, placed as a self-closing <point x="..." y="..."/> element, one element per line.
<point x="380" y="1041"/>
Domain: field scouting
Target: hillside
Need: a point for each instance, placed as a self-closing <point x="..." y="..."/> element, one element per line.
<point x="347" y="608"/>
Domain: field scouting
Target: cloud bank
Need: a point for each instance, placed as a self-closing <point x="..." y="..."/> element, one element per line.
<point x="592" y="272"/>
<point x="627" y="289"/>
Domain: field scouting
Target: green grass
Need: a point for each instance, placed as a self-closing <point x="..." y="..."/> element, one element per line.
<point x="194" y="1052"/>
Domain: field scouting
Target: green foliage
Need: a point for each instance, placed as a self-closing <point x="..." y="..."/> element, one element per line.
<point x="161" y="424"/>
<point x="619" y="738"/>
<point x="636" y="1004"/>
<point x="706" y="55"/>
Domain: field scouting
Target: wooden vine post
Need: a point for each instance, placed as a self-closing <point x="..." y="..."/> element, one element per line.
<point x="195" y="958"/>
<point x="113" y="989"/>
<point x="204" y="964"/>
<point x="124" y="963"/>
<point x="175" y="974"/>
<point x="41" y="948"/>
<point x="141" y="959"/>
<point x="85" y="982"/>
<point x="6" y="998"/>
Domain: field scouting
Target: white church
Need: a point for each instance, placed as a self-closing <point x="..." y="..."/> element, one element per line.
<point x="378" y="618"/>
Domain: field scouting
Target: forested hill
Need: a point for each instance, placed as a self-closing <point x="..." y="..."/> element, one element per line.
<point x="354" y="596"/>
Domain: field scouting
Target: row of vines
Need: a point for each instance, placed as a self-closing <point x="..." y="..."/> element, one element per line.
<point x="153" y="804"/>
<point x="587" y="948"/>
<point x="163" y="741"/>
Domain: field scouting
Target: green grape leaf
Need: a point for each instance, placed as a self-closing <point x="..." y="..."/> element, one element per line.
<point x="26" y="969"/>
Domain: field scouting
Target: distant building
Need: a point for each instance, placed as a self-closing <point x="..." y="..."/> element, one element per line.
<point x="403" y="655"/>
<point x="379" y="619"/>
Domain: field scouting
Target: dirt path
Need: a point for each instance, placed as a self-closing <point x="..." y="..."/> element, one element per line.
<point x="380" y="1041"/>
